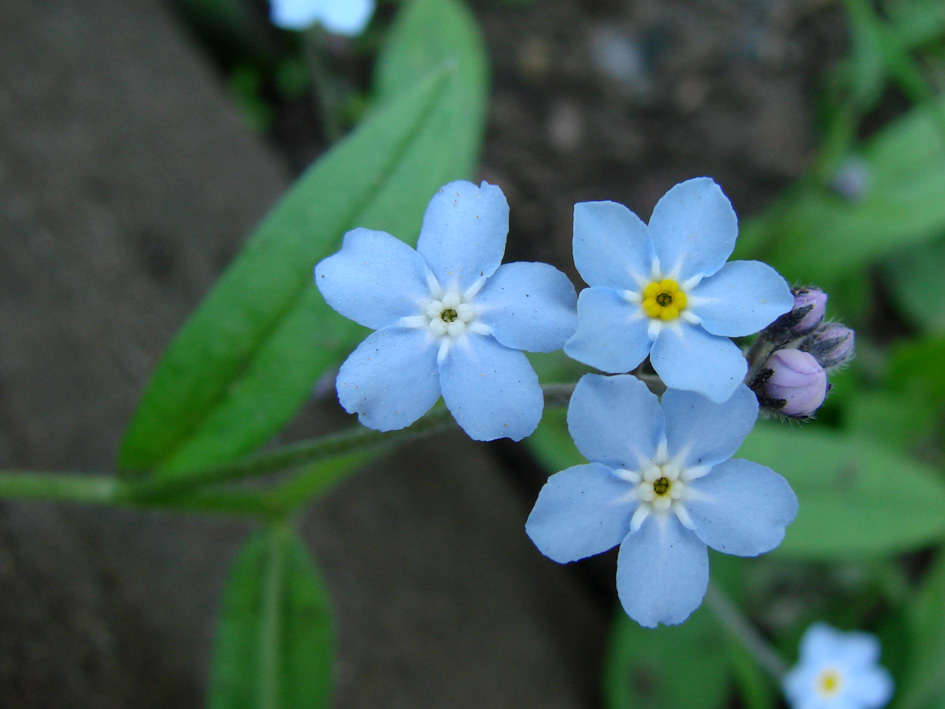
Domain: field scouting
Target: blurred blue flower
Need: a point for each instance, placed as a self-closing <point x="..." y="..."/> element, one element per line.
<point x="347" y="17"/>
<point x="448" y="318"/>
<point x="662" y="486"/>
<point x="838" y="670"/>
<point x="665" y="290"/>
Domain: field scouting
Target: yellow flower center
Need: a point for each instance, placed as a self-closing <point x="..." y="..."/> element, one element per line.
<point x="663" y="300"/>
<point x="829" y="682"/>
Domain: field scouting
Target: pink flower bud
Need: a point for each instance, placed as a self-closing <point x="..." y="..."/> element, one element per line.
<point x="832" y="345"/>
<point x="817" y="300"/>
<point x="796" y="379"/>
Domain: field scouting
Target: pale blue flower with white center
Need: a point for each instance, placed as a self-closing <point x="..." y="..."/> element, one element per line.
<point x="346" y="17"/>
<point x="449" y="319"/>
<point x="838" y="670"/>
<point x="665" y="290"/>
<point x="660" y="484"/>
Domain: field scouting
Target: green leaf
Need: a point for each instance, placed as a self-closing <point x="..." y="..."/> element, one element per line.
<point x="669" y="666"/>
<point x="247" y="358"/>
<point x="814" y="236"/>
<point x="274" y="640"/>
<point x="914" y="279"/>
<point x="924" y="685"/>
<point x="551" y="442"/>
<point x="856" y="498"/>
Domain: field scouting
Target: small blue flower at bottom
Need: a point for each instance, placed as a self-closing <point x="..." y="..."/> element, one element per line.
<point x="664" y="290"/>
<point x="449" y="319"/>
<point x="838" y="670"/>
<point x="661" y="485"/>
<point x="345" y="17"/>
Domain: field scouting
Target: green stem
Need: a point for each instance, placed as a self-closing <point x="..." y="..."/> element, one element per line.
<point x="326" y="92"/>
<point x="736" y="623"/>
<point x="270" y="629"/>
<point x="102" y="489"/>
<point x="65" y="487"/>
<point x="188" y="490"/>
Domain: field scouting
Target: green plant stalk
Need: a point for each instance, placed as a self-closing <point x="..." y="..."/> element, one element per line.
<point x="189" y="492"/>
<point x="742" y="630"/>
<point x="106" y="489"/>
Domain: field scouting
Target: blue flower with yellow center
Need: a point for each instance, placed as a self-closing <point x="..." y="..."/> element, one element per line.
<point x="664" y="290"/>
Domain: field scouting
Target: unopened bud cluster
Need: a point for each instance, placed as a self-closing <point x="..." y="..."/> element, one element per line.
<point x="796" y="352"/>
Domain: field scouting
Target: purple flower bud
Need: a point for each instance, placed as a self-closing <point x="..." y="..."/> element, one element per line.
<point x="816" y="300"/>
<point x="797" y="380"/>
<point x="832" y="345"/>
<point x="805" y="316"/>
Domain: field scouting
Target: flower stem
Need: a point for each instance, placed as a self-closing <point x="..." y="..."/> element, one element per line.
<point x="739" y="626"/>
<point x="192" y="490"/>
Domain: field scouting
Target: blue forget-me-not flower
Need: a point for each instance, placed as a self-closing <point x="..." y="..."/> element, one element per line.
<point x="665" y="290"/>
<point x="838" y="670"/>
<point x="347" y="17"/>
<point x="449" y="319"/>
<point x="661" y="485"/>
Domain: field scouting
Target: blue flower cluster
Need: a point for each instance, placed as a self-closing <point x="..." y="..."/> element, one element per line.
<point x="451" y="320"/>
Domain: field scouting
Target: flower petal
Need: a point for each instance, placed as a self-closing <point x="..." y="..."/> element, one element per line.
<point x="687" y="357"/>
<point x="463" y="234"/>
<point x="741" y="508"/>
<point x="741" y="299"/>
<point x="374" y="280"/>
<point x="662" y="572"/>
<point x="870" y="687"/>
<point x="348" y="17"/>
<point x="705" y="432"/>
<point x="581" y="511"/>
<point x="491" y="390"/>
<point x="612" y="247"/>
<point x="693" y="228"/>
<point x="615" y="420"/>
<point x="529" y="306"/>
<point x="390" y="380"/>
<point x="611" y="332"/>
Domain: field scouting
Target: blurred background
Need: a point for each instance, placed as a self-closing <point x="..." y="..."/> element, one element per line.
<point x="140" y="142"/>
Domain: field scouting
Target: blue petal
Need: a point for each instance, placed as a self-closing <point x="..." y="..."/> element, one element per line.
<point x="687" y="357"/>
<point x="693" y="228"/>
<point x="708" y="433"/>
<point x="662" y="572"/>
<point x="741" y="508"/>
<point x="615" y="420"/>
<point x="580" y="512"/>
<point x="741" y="299"/>
<point x="463" y="234"/>
<point x="612" y="247"/>
<point x="870" y="687"/>
<point x="390" y="380"/>
<point x="374" y="280"/>
<point x="492" y="391"/>
<point x="611" y="333"/>
<point x="529" y="306"/>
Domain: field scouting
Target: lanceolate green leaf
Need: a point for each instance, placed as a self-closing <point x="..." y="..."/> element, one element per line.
<point x="856" y="498"/>
<point x="672" y="666"/>
<point x="924" y="684"/>
<point x="247" y="358"/>
<point x="274" y="640"/>
<point x="813" y="235"/>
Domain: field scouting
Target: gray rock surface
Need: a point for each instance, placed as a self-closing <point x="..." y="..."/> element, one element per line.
<point x="127" y="181"/>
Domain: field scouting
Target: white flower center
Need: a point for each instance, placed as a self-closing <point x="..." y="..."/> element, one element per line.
<point x="661" y="487"/>
<point x="448" y="314"/>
